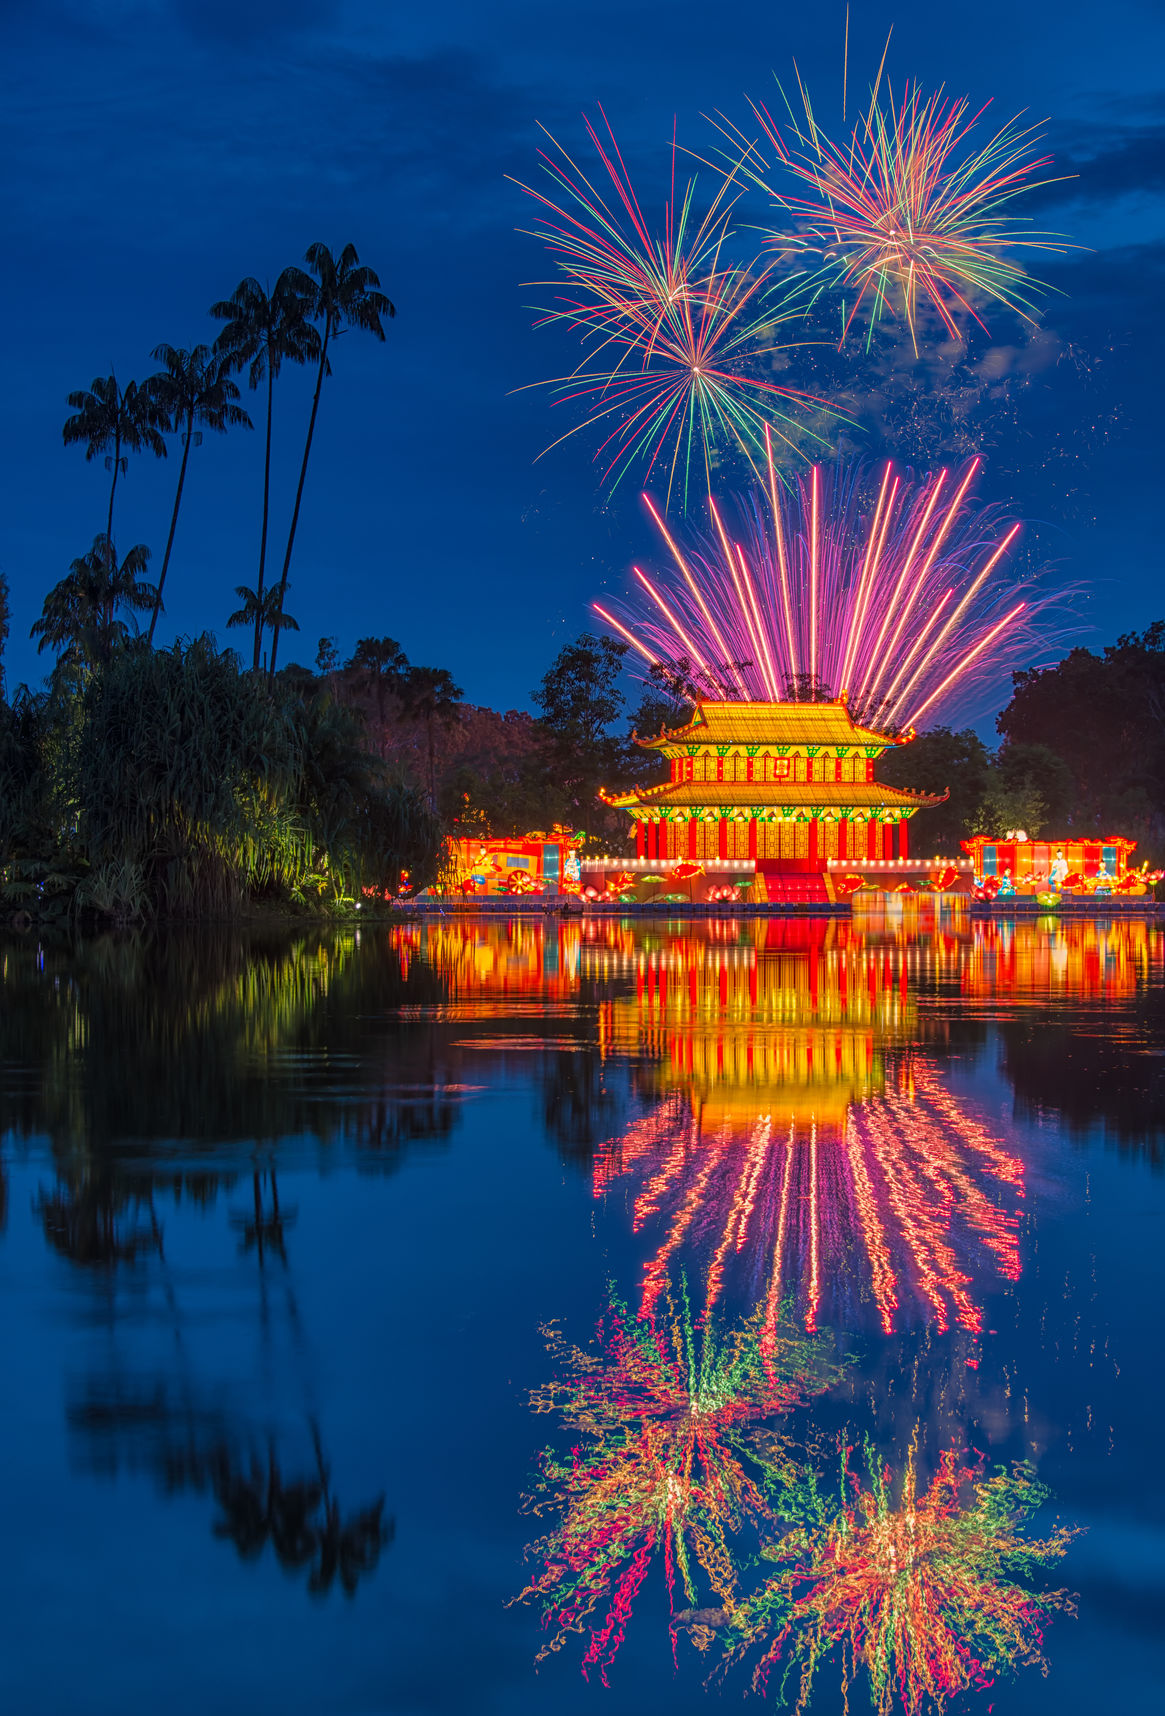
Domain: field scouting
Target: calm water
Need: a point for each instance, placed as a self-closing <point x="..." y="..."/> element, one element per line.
<point x="287" y="1219"/>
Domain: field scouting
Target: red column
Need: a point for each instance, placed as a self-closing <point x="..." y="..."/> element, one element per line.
<point x="723" y="837"/>
<point x="843" y="837"/>
<point x="639" y="852"/>
<point x="752" y="837"/>
<point x="903" y="843"/>
<point x="872" y="839"/>
<point x="693" y="837"/>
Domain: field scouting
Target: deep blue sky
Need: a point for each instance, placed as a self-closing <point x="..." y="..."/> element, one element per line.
<point x="156" y="151"/>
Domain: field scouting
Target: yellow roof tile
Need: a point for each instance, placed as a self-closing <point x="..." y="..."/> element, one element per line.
<point x="716" y="723"/>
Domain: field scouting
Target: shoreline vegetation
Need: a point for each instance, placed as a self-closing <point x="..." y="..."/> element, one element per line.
<point x="148" y="781"/>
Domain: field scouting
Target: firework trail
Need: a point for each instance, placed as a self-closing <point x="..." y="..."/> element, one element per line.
<point x="669" y="1457"/>
<point x="908" y="211"/>
<point x="676" y="335"/>
<point x="928" y="1598"/>
<point x="898" y="594"/>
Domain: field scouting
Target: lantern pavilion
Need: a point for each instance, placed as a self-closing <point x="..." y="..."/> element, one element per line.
<point x="787" y="786"/>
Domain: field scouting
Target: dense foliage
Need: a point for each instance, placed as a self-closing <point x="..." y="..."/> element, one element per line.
<point x="169" y="781"/>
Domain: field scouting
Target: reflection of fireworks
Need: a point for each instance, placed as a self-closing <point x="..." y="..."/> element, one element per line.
<point x="907" y="1175"/>
<point x="909" y="210"/>
<point x="901" y="605"/>
<point x="670" y="1456"/>
<point x="673" y="330"/>
<point x="930" y="1597"/>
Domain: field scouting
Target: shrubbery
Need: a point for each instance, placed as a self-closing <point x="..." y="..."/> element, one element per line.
<point x="168" y="782"/>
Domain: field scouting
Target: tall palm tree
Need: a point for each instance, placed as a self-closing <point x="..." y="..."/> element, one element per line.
<point x="428" y="694"/>
<point x="345" y="295"/>
<point x="80" y="614"/>
<point x="115" y="421"/>
<point x="263" y="612"/>
<point x="193" y="387"/>
<point x="262" y="330"/>
<point x="381" y="665"/>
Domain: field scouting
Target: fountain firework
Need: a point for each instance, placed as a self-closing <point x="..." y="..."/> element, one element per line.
<point x="894" y="594"/>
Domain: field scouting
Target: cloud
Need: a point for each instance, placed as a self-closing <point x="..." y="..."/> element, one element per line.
<point x="1101" y="163"/>
<point x="253" y="20"/>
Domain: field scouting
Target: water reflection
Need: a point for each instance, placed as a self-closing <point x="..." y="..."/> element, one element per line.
<point x="788" y="1152"/>
<point x="152" y="1427"/>
<point x="786" y="1142"/>
<point x="672" y="1456"/>
<point x="923" y="1596"/>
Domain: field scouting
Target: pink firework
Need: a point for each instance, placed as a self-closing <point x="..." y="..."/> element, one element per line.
<point x="897" y="594"/>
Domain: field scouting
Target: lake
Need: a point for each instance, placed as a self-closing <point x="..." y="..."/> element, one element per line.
<point x="520" y="1316"/>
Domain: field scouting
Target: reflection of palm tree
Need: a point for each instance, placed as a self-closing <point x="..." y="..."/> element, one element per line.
<point x="263" y="1230"/>
<point x="301" y="1520"/>
<point x="260" y="1508"/>
<point x="345" y="1547"/>
<point x="93" y="1220"/>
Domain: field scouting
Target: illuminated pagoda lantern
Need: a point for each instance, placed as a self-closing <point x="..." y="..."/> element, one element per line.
<point x="1021" y="866"/>
<point x="783" y="789"/>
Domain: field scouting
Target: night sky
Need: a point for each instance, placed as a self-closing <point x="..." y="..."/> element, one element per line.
<point x="156" y="151"/>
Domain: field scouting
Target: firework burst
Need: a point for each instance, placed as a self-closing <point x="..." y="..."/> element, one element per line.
<point x="898" y="595"/>
<point x="676" y="335"/>
<point x="928" y="1597"/>
<point x="910" y="210"/>
<point x="670" y="1458"/>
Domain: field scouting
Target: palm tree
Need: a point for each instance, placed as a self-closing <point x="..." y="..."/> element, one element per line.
<point x="262" y="329"/>
<point x="116" y="422"/>
<point x="79" y="617"/>
<point x="194" y="387"/>
<point x="381" y="665"/>
<point x="428" y="694"/>
<point x="263" y="612"/>
<point x="345" y="295"/>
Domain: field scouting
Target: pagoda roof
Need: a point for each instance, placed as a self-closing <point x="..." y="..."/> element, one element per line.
<point x="826" y="795"/>
<point x="723" y="723"/>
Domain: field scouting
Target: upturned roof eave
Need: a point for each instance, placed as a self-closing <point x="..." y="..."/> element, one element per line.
<point x="832" y="794"/>
<point x="697" y="729"/>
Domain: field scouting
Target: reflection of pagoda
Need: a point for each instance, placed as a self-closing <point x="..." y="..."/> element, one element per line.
<point x="788" y="785"/>
<point x="789" y="1020"/>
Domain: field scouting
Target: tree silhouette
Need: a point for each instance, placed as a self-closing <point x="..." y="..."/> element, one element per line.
<point x="116" y="422"/>
<point x="345" y="295"/>
<point x="429" y="695"/>
<point x="79" y="618"/>
<point x="193" y="387"/>
<point x="380" y="665"/>
<point x="263" y="330"/>
<point x="263" y="1230"/>
<point x="263" y="612"/>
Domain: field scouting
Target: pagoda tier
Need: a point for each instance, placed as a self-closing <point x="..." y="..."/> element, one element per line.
<point x="790" y="785"/>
